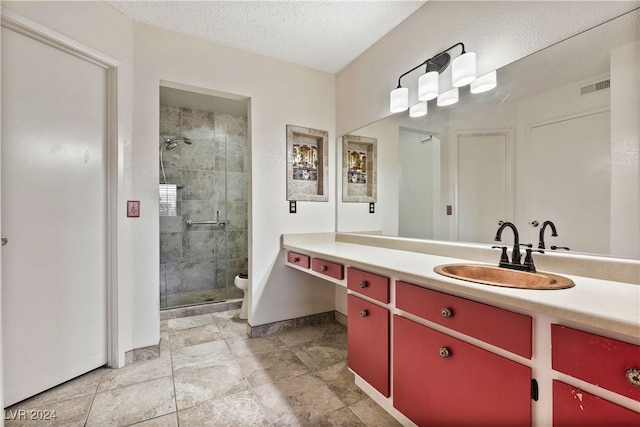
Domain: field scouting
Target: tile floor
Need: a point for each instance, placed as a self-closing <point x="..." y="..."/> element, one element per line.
<point x="210" y="374"/>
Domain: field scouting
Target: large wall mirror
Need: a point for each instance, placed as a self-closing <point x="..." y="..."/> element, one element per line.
<point x="557" y="140"/>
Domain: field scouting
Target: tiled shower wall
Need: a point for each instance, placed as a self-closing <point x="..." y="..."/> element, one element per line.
<point x="198" y="263"/>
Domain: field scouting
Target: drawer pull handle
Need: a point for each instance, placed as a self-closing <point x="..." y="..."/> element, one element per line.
<point x="446" y="312"/>
<point x="296" y="259"/>
<point x="444" y="352"/>
<point x="364" y="313"/>
<point x="364" y="284"/>
<point x="323" y="268"/>
<point x="633" y="376"/>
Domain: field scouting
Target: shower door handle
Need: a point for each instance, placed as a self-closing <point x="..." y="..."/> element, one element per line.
<point x="4" y="240"/>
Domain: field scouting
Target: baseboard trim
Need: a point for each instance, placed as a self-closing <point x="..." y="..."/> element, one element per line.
<point x="143" y="353"/>
<point x="285" y="325"/>
<point x="196" y="310"/>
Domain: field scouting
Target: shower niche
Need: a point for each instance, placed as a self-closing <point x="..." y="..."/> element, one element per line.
<point x="203" y="188"/>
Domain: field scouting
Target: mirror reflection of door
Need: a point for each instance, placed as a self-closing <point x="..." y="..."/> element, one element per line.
<point x="419" y="185"/>
<point x="485" y="184"/>
<point x="570" y="180"/>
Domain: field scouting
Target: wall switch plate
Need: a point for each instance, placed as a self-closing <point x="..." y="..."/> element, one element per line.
<point x="449" y="210"/>
<point x="372" y="207"/>
<point x="133" y="208"/>
<point x="292" y="206"/>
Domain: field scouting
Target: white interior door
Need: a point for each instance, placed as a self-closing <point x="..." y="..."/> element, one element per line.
<point x="485" y="184"/>
<point x="570" y="173"/>
<point x="54" y="278"/>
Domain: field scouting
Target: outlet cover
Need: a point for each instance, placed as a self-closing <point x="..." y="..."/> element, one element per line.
<point x="292" y="206"/>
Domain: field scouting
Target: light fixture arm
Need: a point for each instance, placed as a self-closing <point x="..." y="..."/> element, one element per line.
<point x="439" y="67"/>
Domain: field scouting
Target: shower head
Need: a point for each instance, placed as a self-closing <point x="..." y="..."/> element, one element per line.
<point x="173" y="141"/>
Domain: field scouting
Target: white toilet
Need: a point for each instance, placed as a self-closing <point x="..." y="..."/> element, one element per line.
<point x="242" y="282"/>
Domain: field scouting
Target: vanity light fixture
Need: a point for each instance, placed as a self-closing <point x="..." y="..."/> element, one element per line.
<point x="463" y="72"/>
<point x="399" y="100"/>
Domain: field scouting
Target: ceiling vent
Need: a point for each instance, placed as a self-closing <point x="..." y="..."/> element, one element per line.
<point x="595" y="87"/>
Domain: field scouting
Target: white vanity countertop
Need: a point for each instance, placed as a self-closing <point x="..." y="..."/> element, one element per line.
<point x="601" y="304"/>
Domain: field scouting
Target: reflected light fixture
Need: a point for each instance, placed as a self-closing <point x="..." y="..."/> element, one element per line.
<point x="449" y="97"/>
<point x="484" y="83"/>
<point x="418" y="110"/>
<point x="463" y="72"/>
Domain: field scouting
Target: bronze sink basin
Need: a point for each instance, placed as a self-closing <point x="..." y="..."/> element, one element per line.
<point x="497" y="276"/>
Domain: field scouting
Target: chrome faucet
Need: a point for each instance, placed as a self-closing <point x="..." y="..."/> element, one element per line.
<point x="554" y="233"/>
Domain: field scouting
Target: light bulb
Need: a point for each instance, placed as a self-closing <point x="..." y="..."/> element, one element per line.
<point x="399" y="100"/>
<point x="484" y="83"/>
<point x="428" y="86"/>
<point x="448" y="98"/>
<point x="418" y="110"/>
<point x="463" y="69"/>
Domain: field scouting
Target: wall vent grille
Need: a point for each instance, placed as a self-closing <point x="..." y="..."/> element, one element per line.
<point x="595" y="87"/>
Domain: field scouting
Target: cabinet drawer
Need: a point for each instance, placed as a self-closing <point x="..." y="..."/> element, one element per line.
<point x="575" y="407"/>
<point x="328" y="268"/>
<point x="369" y="284"/>
<point x="502" y="328"/>
<point x="368" y="342"/>
<point x="439" y="380"/>
<point x="298" y="259"/>
<point x="596" y="359"/>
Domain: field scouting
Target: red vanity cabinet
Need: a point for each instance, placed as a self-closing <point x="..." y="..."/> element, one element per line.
<point x="502" y="328"/>
<point x="596" y="359"/>
<point x="573" y="407"/>
<point x="439" y="380"/>
<point x="368" y="342"/>
<point x="605" y="362"/>
<point x="328" y="268"/>
<point x="298" y="259"/>
<point x="368" y="284"/>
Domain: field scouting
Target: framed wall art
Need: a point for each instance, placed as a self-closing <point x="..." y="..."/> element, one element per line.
<point x="307" y="164"/>
<point x="359" y="169"/>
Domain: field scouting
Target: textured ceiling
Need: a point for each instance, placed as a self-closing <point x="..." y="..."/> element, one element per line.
<point x="323" y="35"/>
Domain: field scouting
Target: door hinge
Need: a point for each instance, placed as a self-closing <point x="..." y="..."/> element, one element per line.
<point x="534" y="389"/>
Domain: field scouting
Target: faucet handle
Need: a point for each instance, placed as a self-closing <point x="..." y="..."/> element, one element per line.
<point x="554" y="247"/>
<point x="528" y="259"/>
<point x="528" y="245"/>
<point x="504" y="258"/>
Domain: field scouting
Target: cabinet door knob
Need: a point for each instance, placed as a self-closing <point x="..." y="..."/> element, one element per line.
<point x="446" y="312"/>
<point x="444" y="352"/>
<point x="323" y="268"/>
<point x="4" y="240"/>
<point x="296" y="259"/>
<point x="364" y="313"/>
<point x="364" y="284"/>
<point x="633" y="376"/>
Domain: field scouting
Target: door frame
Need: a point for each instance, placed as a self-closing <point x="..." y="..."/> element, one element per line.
<point x="42" y="34"/>
<point x="509" y="173"/>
